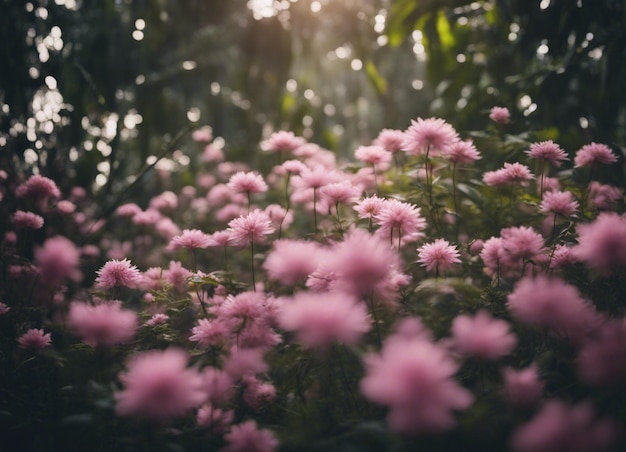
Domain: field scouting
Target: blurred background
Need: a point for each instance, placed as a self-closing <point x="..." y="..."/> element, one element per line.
<point x="92" y="90"/>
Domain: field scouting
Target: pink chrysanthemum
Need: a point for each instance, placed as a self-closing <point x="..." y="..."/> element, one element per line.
<point x="369" y="207"/>
<point x="602" y="360"/>
<point x="548" y="151"/>
<point x="461" y="152"/>
<point x="257" y="393"/>
<point x="482" y="336"/>
<point x="291" y="261"/>
<point x="438" y="255"/>
<point x="340" y="192"/>
<point x="559" y="203"/>
<point x="510" y="173"/>
<point x="321" y="319"/>
<point x="117" y="273"/>
<point x="159" y="386"/>
<point x="27" y="220"/>
<point x="373" y="155"/>
<point x="559" y="427"/>
<point x="128" y="210"/>
<point x="522" y="243"/>
<point x="552" y="303"/>
<point x="202" y="135"/>
<point x="430" y="136"/>
<point x="252" y="228"/>
<point x="105" y="324"/>
<point x="212" y="153"/>
<point x="401" y="218"/>
<point x="158" y="319"/>
<point x="191" y="239"/>
<point x="38" y="188"/>
<point x="34" y="339"/>
<point x="247" y="437"/>
<point x="594" y="153"/>
<point x="57" y="261"/>
<point x="602" y="244"/>
<point x="500" y="115"/>
<point x="414" y="379"/>
<point x="210" y="332"/>
<point x="493" y="254"/>
<point x="216" y="420"/>
<point x="282" y="141"/>
<point x="250" y="182"/>
<point x="390" y="140"/>
<point x="522" y="388"/>
<point x="604" y="197"/>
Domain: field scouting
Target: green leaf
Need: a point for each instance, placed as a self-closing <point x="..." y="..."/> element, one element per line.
<point x="377" y="80"/>
<point x="446" y="37"/>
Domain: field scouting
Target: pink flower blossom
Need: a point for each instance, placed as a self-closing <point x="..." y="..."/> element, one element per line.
<point x="244" y="361"/>
<point x="373" y="155"/>
<point x="559" y="203"/>
<point x="510" y="173"/>
<point x="548" y="151"/>
<point x="390" y="140"/>
<point x="291" y="260"/>
<point x="602" y="360"/>
<point x="402" y="218"/>
<point x="57" y="261"/>
<point x="482" y="336"/>
<point x="500" y="115"/>
<point x="158" y="386"/>
<point x="521" y="243"/>
<point x="282" y="141"/>
<point x="34" y="339"/>
<point x="562" y="256"/>
<point x="117" y="273"/>
<point x="369" y="207"/>
<point x="602" y="243"/>
<point x="247" y="437"/>
<point x="27" y="220"/>
<point x="210" y="332"/>
<point x="257" y="393"/>
<point x="428" y="136"/>
<point x="252" y="228"/>
<point x="218" y="421"/>
<point x="552" y="303"/>
<point x="105" y="324"/>
<point x="191" y="239"/>
<point x="250" y="182"/>
<point x="222" y="238"/>
<point x="340" y="192"/>
<point x="127" y="210"/>
<point x="202" y="135"/>
<point x="38" y="189"/>
<point x="293" y="167"/>
<point x="414" y="379"/>
<point x="177" y="275"/>
<point x="219" y="385"/>
<point x="212" y="153"/>
<point x="604" y="197"/>
<point x="158" y="319"/>
<point x="438" y="255"/>
<point x="147" y="218"/>
<point x="594" y="153"/>
<point x="461" y="152"/>
<point x="166" y="200"/>
<point x="66" y="207"/>
<point x="320" y="319"/>
<point x="522" y="388"/>
<point x="279" y="217"/>
<point x="559" y="427"/>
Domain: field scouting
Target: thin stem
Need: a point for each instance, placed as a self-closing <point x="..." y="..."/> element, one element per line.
<point x="252" y="265"/>
<point x="375" y="178"/>
<point x="315" y="209"/>
<point x="454" y="200"/>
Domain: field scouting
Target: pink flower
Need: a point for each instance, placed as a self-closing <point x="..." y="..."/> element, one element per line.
<point x="461" y="152"/>
<point x="602" y="244"/>
<point x="257" y="393"/>
<point x="521" y="243"/>
<point x="559" y="427"/>
<point x="602" y="360"/>
<point x="500" y="115"/>
<point x="430" y="136"/>
<point x="510" y="173"/>
<point x="373" y="155"/>
<point x="210" y="332"/>
<point x="402" y="218"/>
<point x="158" y="319"/>
<point x="117" y="273"/>
<point x="202" y="135"/>
<point x="212" y="153"/>
<point x="413" y="377"/>
<point x="27" y="220"/>
<point x="219" y="385"/>
<point x="4" y="308"/>
<point x="164" y="201"/>
<point x="282" y="141"/>
<point x="57" y="261"/>
<point x="243" y="182"/>
<point x="492" y="254"/>
<point x="320" y="319"/>
<point x="244" y="361"/>
<point x="552" y="303"/>
<point x="594" y="153"/>
<point x="522" y="388"/>
<point x="215" y="419"/>
<point x="340" y="192"/>
<point x="105" y="324"/>
<point x="369" y="207"/>
<point x="559" y="203"/>
<point x="604" y="196"/>
<point x="158" y="386"/>
<point x="191" y="239"/>
<point x="291" y="261"/>
<point x="390" y="140"/>
<point x="252" y="228"/>
<point x="247" y="437"/>
<point x="482" y="336"/>
<point x="38" y="188"/>
<point x="438" y="255"/>
<point x="34" y="339"/>
<point x="293" y="167"/>
<point x="177" y="276"/>
<point x="548" y="151"/>
<point x="66" y="207"/>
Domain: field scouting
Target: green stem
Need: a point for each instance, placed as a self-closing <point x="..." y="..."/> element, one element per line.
<point x="252" y="265"/>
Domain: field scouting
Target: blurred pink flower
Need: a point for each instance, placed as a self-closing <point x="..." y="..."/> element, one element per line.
<point x="158" y="319"/>
<point x="282" y="141"/>
<point x="244" y="361"/>
<point x="373" y="155"/>
<point x="177" y="276"/>
<point x="430" y="135"/>
<point x="340" y="192"/>
<point x="58" y="260"/>
<point x="522" y="388"/>
<point x="500" y="115"/>
<point x="559" y="202"/>
<point x="202" y="135"/>
<point x="594" y="153"/>
<point x="38" y="189"/>
<point x="252" y="228"/>
<point x="257" y="393"/>
<point x="4" y="308"/>
<point x="438" y="255"/>
<point x="321" y="319"/>
<point x="158" y="386"/>
<point x="191" y="239"/>
<point x="27" y="220"/>
<point x="117" y="273"/>
<point x="218" y="421"/>
<point x="414" y="379"/>
<point x="212" y="153"/>
<point x="521" y="242"/>
<point x="66" y="207"/>
<point x="402" y="218"/>
<point x="461" y="152"/>
<point x="482" y="336"/>
<point x="603" y="197"/>
<point x="34" y="339"/>
<point x="291" y="260"/>
<point x="390" y="140"/>
<point x="548" y="151"/>
<point x="105" y="324"/>
<point x="247" y="437"/>
<point x="602" y="359"/>
<point x="247" y="182"/>
<point x="219" y="385"/>
<point x="211" y="332"/>
<point x="602" y="243"/>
